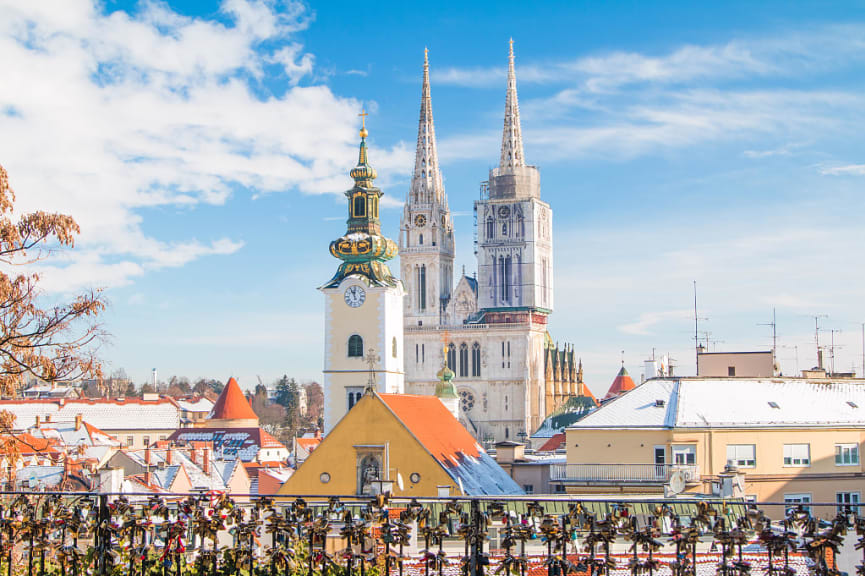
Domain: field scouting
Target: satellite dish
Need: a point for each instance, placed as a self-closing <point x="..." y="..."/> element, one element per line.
<point x="400" y="484"/>
<point x="460" y="482"/>
<point x="677" y="482"/>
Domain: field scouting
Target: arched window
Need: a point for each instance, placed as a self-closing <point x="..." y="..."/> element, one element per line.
<point x="355" y="346"/>
<point x="507" y="433"/>
<point x="452" y="358"/>
<point x="464" y="360"/>
<point x="420" y="239"/>
<point x="504" y="228"/>
<point x="490" y="229"/>
<point x="359" y="206"/>
<point x="393" y="346"/>
<point x="476" y="360"/>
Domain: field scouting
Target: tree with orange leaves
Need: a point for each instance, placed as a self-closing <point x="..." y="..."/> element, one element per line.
<point x="52" y="343"/>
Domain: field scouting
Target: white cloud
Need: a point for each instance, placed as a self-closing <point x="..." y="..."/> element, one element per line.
<point x="849" y="169"/>
<point x="104" y="115"/>
<point x="648" y="320"/>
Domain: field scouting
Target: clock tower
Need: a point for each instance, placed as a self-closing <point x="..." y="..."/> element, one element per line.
<point x="363" y="342"/>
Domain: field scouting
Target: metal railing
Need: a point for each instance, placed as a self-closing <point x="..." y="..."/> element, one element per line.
<point x="622" y="473"/>
<point x="75" y="534"/>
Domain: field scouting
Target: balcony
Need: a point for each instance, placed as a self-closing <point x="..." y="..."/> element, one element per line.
<point x="614" y="474"/>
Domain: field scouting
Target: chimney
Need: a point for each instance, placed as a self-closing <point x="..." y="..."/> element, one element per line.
<point x="78" y="419"/>
<point x="147" y="456"/>
<point x="205" y="461"/>
<point x="147" y="476"/>
<point x="38" y="421"/>
<point x="169" y="456"/>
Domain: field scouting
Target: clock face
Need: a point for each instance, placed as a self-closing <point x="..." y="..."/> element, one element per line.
<point x="420" y="220"/>
<point x="504" y="211"/>
<point x="354" y="296"/>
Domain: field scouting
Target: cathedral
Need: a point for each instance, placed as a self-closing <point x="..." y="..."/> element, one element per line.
<point x="489" y="329"/>
<point x="509" y="375"/>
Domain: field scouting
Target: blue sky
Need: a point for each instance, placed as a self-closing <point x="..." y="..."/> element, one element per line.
<point x="204" y="148"/>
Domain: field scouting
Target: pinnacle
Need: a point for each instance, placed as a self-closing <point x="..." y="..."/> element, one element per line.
<point x="512" y="137"/>
<point x="426" y="183"/>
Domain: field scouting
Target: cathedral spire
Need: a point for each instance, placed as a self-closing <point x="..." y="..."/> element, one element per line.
<point x="512" y="136"/>
<point x="426" y="182"/>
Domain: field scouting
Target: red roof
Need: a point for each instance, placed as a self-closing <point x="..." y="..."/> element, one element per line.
<point x="621" y="384"/>
<point x="433" y="425"/>
<point x="554" y="443"/>
<point x="232" y="404"/>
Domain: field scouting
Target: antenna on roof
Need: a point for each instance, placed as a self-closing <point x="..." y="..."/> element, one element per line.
<point x="816" y="318"/>
<point x="774" y="341"/>
<point x="697" y="330"/>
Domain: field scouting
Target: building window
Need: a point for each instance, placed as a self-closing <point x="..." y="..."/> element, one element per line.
<point x="355" y="346"/>
<point x="422" y="353"/>
<point x="529" y="488"/>
<point x="421" y="287"/>
<point x="797" y="455"/>
<point x="420" y="239"/>
<point x="685" y="454"/>
<point x="731" y="370"/>
<point x="559" y="489"/>
<point x="490" y="229"/>
<point x="359" y="206"/>
<point x="794" y="500"/>
<point x="476" y="360"/>
<point x="742" y="455"/>
<point x="130" y="441"/>
<point x="146" y="441"/>
<point x="847" y="502"/>
<point x="467" y="401"/>
<point x="507" y="433"/>
<point x="353" y="396"/>
<point x="416" y="353"/>
<point x="163" y="438"/>
<point x="464" y="360"/>
<point x="393" y="347"/>
<point x="452" y="358"/>
<point x="846" y="454"/>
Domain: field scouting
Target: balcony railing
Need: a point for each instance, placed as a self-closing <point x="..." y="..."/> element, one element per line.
<point x="622" y="473"/>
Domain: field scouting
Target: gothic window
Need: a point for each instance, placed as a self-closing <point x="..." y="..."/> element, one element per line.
<point x="506" y="289"/>
<point x="359" y="206"/>
<point x="467" y="401"/>
<point x="521" y="226"/>
<point x="355" y="346"/>
<point x="476" y="360"/>
<point x="422" y="353"/>
<point x="490" y="224"/>
<point x="420" y="239"/>
<point x="452" y="358"/>
<point x="393" y="347"/>
<point x="506" y="403"/>
<point x="416" y="353"/>
<point x="464" y="360"/>
<point x="421" y="285"/>
<point x="504" y="228"/>
<point x="507" y="433"/>
<point x="353" y="396"/>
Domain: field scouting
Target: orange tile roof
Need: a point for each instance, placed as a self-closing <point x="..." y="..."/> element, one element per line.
<point x="621" y="384"/>
<point x="433" y="425"/>
<point x="554" y="443"/>
<point x="232" y="404"/>
<point x="308" y="444"/>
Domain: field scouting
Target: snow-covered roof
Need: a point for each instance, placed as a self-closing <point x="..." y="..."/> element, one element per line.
<point x="105" y="414"/>
<point x="733" y="402"/>
<point x="195" y="405"/>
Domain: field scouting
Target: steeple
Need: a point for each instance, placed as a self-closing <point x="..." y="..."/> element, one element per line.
<point x="426" y="182"/>
<point x="512" y="136"/>
<point x="363" y="249"/>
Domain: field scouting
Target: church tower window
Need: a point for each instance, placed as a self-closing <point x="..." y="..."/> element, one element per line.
<point x="452" y="357"/>
<point x="421" y="287"/>
<point x="476" y="360"/>
<point x="490" y="231"/>
<point x="464" y="360"/>
<point x="420" y="239"/>
<point x="355" y="346"/>
<point x="359" y="206"/>
<point x="393" y="347"/>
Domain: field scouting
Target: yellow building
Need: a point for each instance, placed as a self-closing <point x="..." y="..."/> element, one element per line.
<point x="411" y="445"/>
<point x="795" y="440"/>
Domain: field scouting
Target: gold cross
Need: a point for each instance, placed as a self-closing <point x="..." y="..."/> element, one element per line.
<point x="363" y="114"/>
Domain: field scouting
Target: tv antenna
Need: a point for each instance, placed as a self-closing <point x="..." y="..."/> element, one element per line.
<point x="697" y="330"/>
<point x="774" y="326"/>
<point x="832" y="347"/>
<point x="817" y="318"/>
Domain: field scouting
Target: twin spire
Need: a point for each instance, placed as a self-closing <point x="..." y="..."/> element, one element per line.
<point x="426" y="182"/>
<point x="512" y="136"/>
